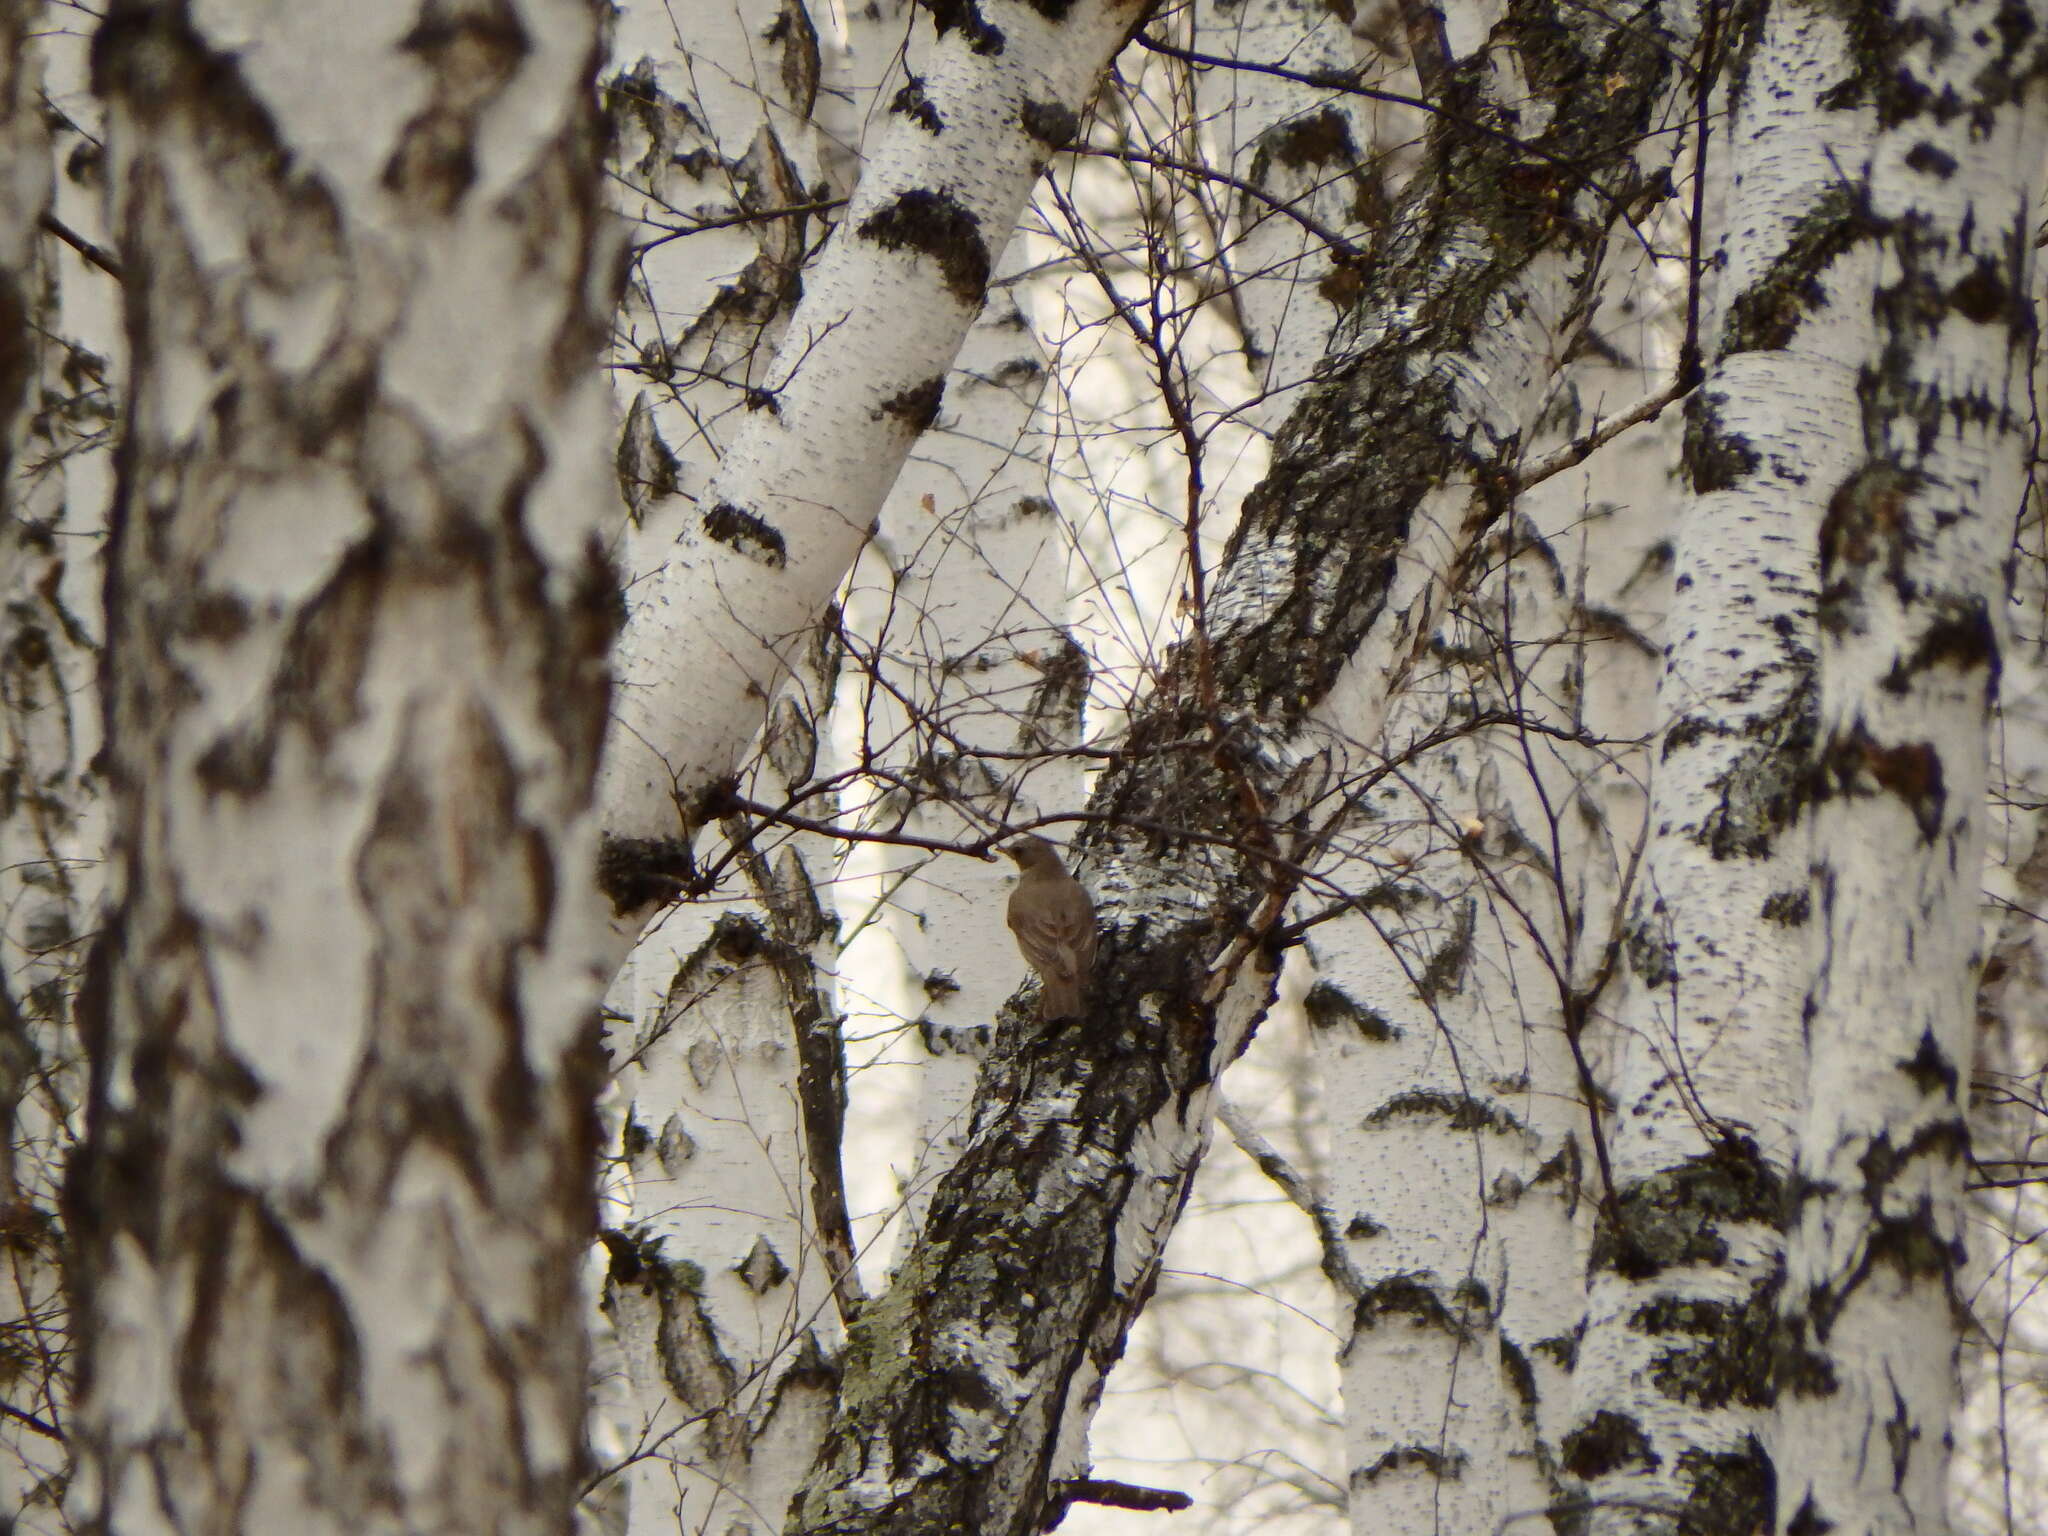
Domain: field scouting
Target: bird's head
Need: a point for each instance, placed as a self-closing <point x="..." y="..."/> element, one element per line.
<point x="1033" y="852"/>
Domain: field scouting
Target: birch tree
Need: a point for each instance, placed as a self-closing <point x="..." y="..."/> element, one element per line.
<point x="327" y="1217"/>
<point x="1710" y="1069"/>
<point x="1913" y="550"/>
<point x="1399" y="710"/>
<point x="68" y="345"/>
<point x="45" y="800"/>
<point x="883" y="314"/>
<point x="712" y="1287"/>
<point x="1192" y="860"/>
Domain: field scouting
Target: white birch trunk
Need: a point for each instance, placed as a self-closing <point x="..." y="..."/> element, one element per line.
<point x="1485" y="877"/>
<point x="47" y="737"/>
<point x="1912" y="617"/>
<point x="51" y="829"/>
<point x="336" y="1183"/>
<point x="858" y="378"/>
<point x="716" y="165"/>
<point x="719" y="1291"/>
<point x="1673" y="1387"/>
<point x="968" y="696"/>
<point x="1995" y="1484"/>
<point x="1301" y="210"/>
<point x="726" y="1271"/>
<point x="729" y="1285"/>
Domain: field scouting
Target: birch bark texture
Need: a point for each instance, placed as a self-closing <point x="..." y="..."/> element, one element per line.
<point x="1673" y="1387"/>
<point x="48" y="822"/>
<point x="1913" y="616"/>
<point x="1467" y="937"/>
<point x="1043" y="1241"/>
<point x="860" y="375"/>
<point x="336" y="1184"/>
<point x="726" y="1287"/>
<point x="715" y="1272"/>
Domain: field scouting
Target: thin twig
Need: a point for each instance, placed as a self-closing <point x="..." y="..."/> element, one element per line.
<point x="94" y="254"/>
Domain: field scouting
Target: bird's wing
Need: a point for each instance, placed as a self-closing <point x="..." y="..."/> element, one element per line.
<point x="1058" y="935"/>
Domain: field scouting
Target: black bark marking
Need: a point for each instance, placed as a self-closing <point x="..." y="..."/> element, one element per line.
<point x="1931" y="160"/>
<point x="916" y="407"/>
<point x="1457" y="1111"/>
<point x="1329" y="1006"/>
<point x="1675" y="1217"/>
<point x="750" y="535"/>
<point x="1607" y="1442"/>
<point x="1983" y="297"/>
<point x="1051" y="123"/>
<point x="934" y="224"/>
<point x="1306" y="144"/>
<point x="1960" y="635"/>
<point x="1856" y="764"/>
<point x="1930" y="1067"/>
<point x="17" y="359"/>
<point x="1651" y="951"/>
<point x="1792" y="908"/>
<point x="762" y="1269"/>
<point x="1420" y="1458"/>
<point x="975" y="29"/>
<point x="1520" y="1376"/>
<point x="636" y="873"/>
<point x="1714" y="458"/>
<point x="222" y="617"/>
<point x="1412" y="1297"/>
<point x="913" y="103"/>
<point x="1868" y="519"/>
<point x="1767" y="315"/>
<point x="1730" y="1493"/>
<point x="1768" y="785"/>
<point x="687" y="1352"/>
<point x="1911" y="1244"/>
<point x="1446" y="968"/>
<point x="802" y="66"/>
<point x="1719" y="1352"/>
<point x="469" y="58"/>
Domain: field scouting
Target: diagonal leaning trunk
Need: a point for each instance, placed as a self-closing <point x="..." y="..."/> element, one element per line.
<point x="860" y="376"/>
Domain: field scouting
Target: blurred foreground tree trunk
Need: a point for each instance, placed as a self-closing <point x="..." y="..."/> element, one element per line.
<point x="328" y="1216"/>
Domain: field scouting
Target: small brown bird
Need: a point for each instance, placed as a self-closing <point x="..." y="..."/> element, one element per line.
<point x="1055" y="926"/>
